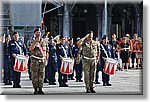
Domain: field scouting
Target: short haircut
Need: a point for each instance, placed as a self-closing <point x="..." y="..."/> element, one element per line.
<point x="15" y="33"/>
<point x="37" y="29"/>
<point x="62" y="37"/>
<point x="7" y="35"/>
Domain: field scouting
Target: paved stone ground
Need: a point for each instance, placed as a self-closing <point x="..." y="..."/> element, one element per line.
<point x="123" y="82"/>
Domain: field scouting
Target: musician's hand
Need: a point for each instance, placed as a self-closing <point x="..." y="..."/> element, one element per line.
<point x="27" y="56"/>
<point x="96" y="61"/>
<point x="61" y="57"/>
<point x="37" y="39"/>
<point x="14" y="55"/>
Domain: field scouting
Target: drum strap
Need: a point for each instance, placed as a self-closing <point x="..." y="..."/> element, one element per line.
<point x="104" y="50"/>
<point x="64" y="51"/>
<point x="20" y="50"/>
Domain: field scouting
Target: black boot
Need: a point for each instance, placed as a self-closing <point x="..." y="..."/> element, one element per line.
<point x="9" y="82"/>
<point x="6" y="82"/>
<point x="14" y="84"/>
<point x="64" y="84"/>
<point x="92" y="90"/>
<point x="88" y="91"/>
<point x="104" y="84"/>
<point x="46" y="81"/>
<point x="35" y="91"/>
<point x="40" y="91"/>
<point x="108" y="84"/>
<point x="52" y="83"/>
<point x="97" y="82"/>
<point x="18" y="84"/>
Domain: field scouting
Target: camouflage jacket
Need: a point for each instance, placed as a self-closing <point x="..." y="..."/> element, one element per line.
<point x="89" y="49"/>
<point x="37" y="52"/>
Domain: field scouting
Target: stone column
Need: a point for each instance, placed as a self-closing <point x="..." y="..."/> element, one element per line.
<point x="71" y="24"/>
<point x="138" y="24"/>
<point x="103" y="22"/>
<point x="99" y="19"/>
<point x="60" y="19"/>
<point x="109" y="22"/>
<point x="66" y="23"/>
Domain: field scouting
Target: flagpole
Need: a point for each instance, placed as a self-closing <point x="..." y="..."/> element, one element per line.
<point x="105" y="24"/>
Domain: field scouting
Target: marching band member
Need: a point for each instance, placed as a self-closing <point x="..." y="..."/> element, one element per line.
<point x="52" y="62"/>
<point x="106" y="51"/>
<point x="90" y="56"/>
<point x="7" y="61"/>
<point x="39" y="55"/>
<point x="70" y="40"/>
<point x="77" y="67"/>
<point x="16" y="47"/>
<point x="63" y="51"/>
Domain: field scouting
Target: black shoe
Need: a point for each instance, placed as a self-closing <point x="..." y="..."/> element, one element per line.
<point x="35" y="91"/>
<point x="18" y="86"/>
<point x="92" y="90"/>
<point x="80" y="80"/>
<point x="52" y="83"/>
<point x="10" y="83"/>
<point x="14" y="86"/>
<point x="60" y="85"/>
<point x="40" y="92"/>
<point x="97" y="82"/>
<point x="46" y="81"/>
<point x="72" y="79"/>
<point x="77" y="80"/>
<point x="7" y="82"/>
<point x="108" y="84"/>
<point x="88" y="91"/>
<point x="104" y="84"/>
<point x="64" y="85"/>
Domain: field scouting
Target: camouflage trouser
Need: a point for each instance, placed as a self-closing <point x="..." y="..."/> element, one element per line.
<point x="37" y="69"/>
<point x="89" y="68"/>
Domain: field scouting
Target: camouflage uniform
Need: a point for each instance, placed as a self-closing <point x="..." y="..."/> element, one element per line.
<point x="38" y="63"/>
<point x="89" y="53"/>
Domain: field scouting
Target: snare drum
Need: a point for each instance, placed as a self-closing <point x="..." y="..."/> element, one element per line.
<point x="21" y="63"/>
<point x="110" y="66"/>
<point x="67" y="66"/>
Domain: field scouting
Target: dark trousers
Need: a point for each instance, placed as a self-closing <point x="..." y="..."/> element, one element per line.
<point x="97" y="76"/>
<point x="62" y="78"/>
<point x="7" y="69"/>
<point x="105" y="77"/>
<point x="15" y="75"/>
<point x="52" y="69"/>
<point x="78" y="69"/>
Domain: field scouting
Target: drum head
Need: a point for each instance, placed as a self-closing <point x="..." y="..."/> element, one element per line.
<point x="67" y="60"/>
<point x="21" y="57"/>
<point x="110" y="60"/>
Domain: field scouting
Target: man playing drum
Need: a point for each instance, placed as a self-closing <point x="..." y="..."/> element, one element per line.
<point x="16" y="47"/>
<point x="90" y="55"/>
<point x="63" y="51"/>
<point x="106" y="52"/>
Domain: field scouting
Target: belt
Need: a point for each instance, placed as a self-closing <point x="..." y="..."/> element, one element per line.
<point x="88" y="58"/>
<point x="37" y="57"/>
